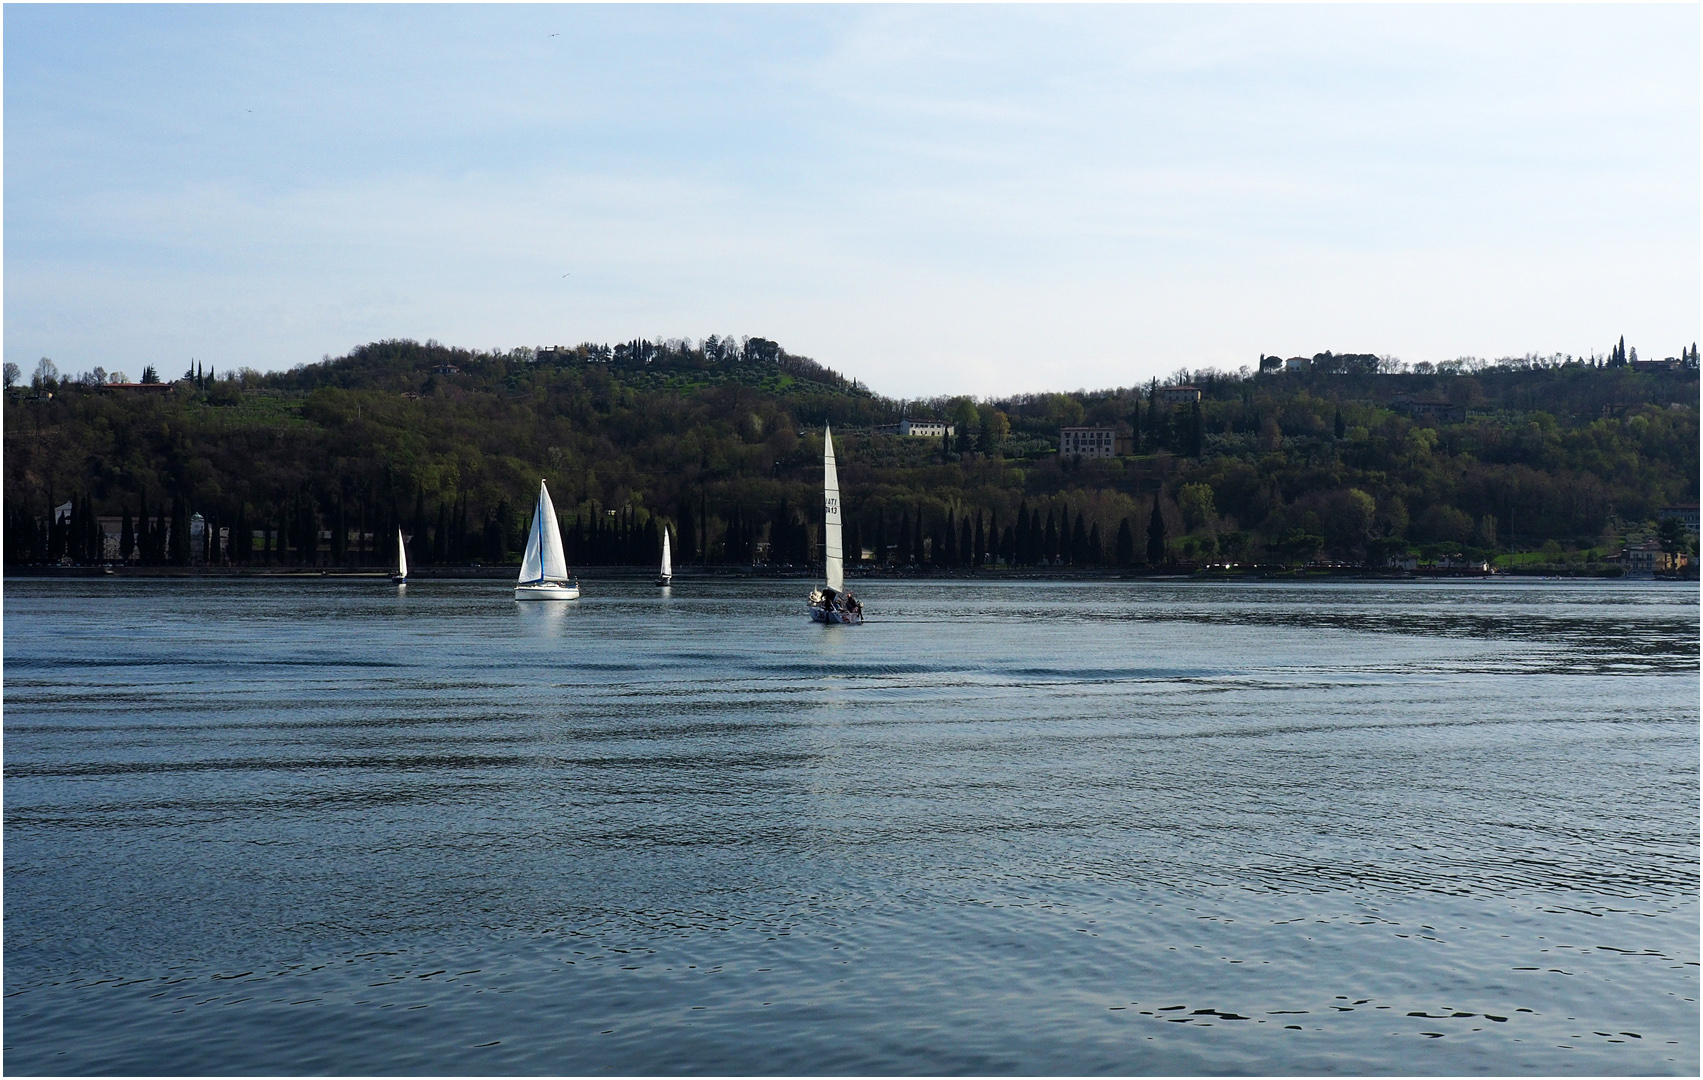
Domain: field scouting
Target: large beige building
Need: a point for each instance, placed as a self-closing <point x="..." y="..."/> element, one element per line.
<point x="1087" y="442"/>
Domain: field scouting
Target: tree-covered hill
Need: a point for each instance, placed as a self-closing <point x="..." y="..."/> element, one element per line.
<point x="720" y="440"/>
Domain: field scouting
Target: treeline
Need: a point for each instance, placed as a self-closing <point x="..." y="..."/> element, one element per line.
<point x="719" y="441"/>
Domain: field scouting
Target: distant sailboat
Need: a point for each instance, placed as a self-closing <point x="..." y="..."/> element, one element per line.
<point x="666" y="576"/>
<point x="832" y="603"/>
<point x="401" y="575"/>
<point x="544" y="569"/>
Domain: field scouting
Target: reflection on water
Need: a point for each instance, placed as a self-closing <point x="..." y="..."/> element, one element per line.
<point x="1031" y="827"/>
<point x="544" y="618"/>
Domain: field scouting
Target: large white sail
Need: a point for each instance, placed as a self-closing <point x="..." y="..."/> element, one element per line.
<point x="831" y="514"/>
<point x="401" y="556"/>
<point x="544" y="559"/>
<point x="555" y="559"/>
<point x="667" y="563"/>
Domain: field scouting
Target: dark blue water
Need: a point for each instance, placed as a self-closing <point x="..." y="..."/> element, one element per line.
<point x="1086" y="828"/>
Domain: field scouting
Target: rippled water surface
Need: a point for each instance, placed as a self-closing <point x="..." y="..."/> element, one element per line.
<point x="320" y="826"/>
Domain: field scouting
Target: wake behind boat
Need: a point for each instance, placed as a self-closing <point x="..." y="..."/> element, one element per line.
<point x="832" y="603"/>
<point x="544" y="569"/>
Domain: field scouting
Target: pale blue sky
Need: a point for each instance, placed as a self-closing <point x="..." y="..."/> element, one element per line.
<point x="933" y="199"/>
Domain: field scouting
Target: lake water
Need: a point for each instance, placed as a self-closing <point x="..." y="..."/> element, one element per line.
<point x="1033" y="827"/>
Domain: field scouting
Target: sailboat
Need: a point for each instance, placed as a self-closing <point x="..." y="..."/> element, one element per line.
<point x="544" y="569"/>
<point x="832" y="603"/>
<point x="401" y="575"/>
<point x="665" y="577"/>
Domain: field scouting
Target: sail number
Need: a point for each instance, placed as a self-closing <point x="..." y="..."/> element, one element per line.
<point x="833" y="504"/>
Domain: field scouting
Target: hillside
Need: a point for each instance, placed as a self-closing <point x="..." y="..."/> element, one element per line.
<point x="721" y="441"/>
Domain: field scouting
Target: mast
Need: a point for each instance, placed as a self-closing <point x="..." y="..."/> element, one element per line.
<point x="831" y="514"/>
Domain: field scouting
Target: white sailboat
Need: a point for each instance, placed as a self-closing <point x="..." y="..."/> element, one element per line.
<point x="544" y="568"/>
<point x="401" y="575"/>
<point x="832" y="603"/>
<point x="666" y="576"/>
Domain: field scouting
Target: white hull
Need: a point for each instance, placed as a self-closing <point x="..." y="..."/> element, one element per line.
<point x="546" y="591"/>
<point x="836" y="618"/>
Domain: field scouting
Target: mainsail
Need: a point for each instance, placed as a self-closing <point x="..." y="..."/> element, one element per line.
<point x="401" y="556"/>
<point x="667" y="563"/>
<point x="831" y="514"/>
<point x="544" y="559"/>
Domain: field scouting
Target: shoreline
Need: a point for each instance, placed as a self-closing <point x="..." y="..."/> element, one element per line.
<point x="491" y="573"/>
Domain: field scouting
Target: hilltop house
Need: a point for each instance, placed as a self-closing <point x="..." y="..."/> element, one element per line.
<point x="920" y="429"/>
<point x="1090" y="442"/>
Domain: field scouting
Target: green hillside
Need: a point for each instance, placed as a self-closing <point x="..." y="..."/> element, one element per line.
<point x="721" y="441"/>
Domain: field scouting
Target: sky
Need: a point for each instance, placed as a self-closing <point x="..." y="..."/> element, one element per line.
<point x="935" y="200"/>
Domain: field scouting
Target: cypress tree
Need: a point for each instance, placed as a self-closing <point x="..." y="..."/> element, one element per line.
<point x="1049" y="541"/>
<point x="179" y="532"/>
<point x="1135" y="425"/>
<point x="1079" y="543"/>
<point x="917" y="551"/>
<point x="1096" y="550"/>
<point x="1156" y="536"/>
<point x="1125" y="544"/>
<point x="126" y="537"/>
<point x="976" y="553"/>
<point x="902" y="556"/>
<point x="948" y="557"/>
<point x="966" y="550"/>
<point x="688" y="533"/>
<point x="1197" y="431"/>
<point x="881" y="537"/>
<point x="1341" y="428"/>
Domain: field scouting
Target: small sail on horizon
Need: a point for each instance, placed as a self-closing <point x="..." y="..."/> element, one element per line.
<point x="401" y="575"/>
<point x="667" y="573"/>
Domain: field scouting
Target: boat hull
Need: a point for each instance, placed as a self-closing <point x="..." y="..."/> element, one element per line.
<point x="664" y="582"/>
<point x="546" y="591"/>
<point x="836" y="618"/>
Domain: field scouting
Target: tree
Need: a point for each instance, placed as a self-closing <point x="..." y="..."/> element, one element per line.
<point x="968" y="421"/>
<point x="1125" y="549"/>
<point x="126" y="537"/>
<point x="1197" y="432"/>
<point x="46" y="375"/>
<point x="149" y="375"/>
<point x="1195" y="501"/>
<point x="12" y="373"/>
<point x="1340" y="428"/>
<point x="1156" y="535"/>
<point x="1671" y="534"/>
